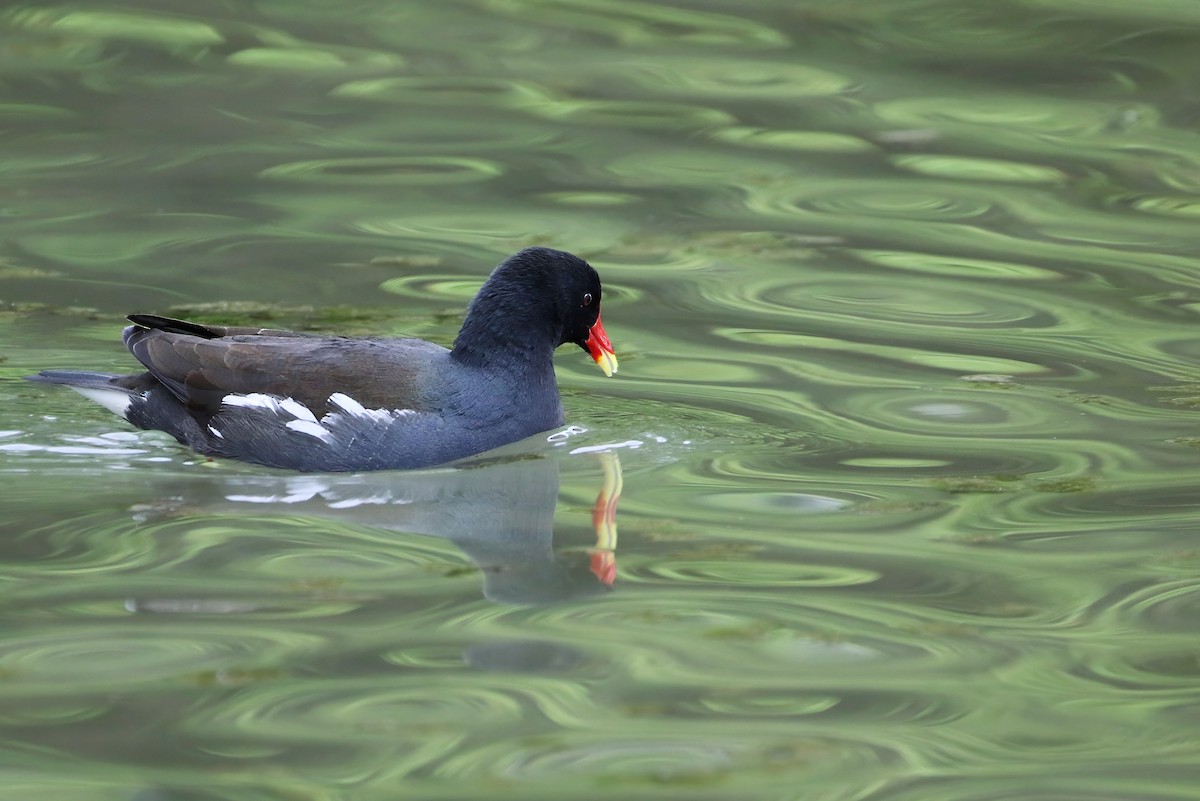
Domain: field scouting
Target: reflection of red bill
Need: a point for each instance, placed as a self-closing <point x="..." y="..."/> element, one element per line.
<point x="604" y="566"/>
<point x="604" y="520"/>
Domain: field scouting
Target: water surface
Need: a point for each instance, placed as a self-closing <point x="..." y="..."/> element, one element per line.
<point x="904" y="436"/>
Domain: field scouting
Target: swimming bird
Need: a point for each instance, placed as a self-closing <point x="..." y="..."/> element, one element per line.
<point x="331" y="403"/>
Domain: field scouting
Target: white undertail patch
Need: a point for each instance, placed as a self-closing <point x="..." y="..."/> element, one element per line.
<point x="116" y="401"/>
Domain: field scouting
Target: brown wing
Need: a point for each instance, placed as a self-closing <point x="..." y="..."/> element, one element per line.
<point x="201" y="364"/>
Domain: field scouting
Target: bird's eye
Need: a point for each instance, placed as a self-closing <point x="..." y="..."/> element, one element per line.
<point x="587" y="298"/>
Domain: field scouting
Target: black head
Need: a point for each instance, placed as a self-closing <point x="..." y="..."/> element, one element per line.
<point x="535" y="300"/>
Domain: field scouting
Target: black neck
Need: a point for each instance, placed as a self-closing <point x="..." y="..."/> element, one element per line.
<point x="515" y="341"/>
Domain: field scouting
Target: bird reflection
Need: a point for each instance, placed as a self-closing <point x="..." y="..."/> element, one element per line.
<point x="604" y="520"/>
<point x="499" y="511"/>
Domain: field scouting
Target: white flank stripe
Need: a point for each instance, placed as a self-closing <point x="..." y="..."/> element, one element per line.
<point x="253" y="399"/>
<point x="355" y="409"/>
<point x="297" y="409"/>
<point x="215" y="433"/>
<point x="305" y="422"/>
<point x="312" y="429"/>
<point x="347" y="403"/>
<point x="270" y="403"/>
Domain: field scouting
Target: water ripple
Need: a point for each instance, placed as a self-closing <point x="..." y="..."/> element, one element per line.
<point x="474" y="90"/>
<point x="977" y="169"/>
<point x="642" y="25"/>
<point x="390" y="170"/>
<point x="141" y="656"/>
<point x="936" y="202"/>
<point x="714" y="79"/>
<point x="907" y="412"/>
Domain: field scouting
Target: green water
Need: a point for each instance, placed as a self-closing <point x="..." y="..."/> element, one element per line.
<point x="905" y="296"/>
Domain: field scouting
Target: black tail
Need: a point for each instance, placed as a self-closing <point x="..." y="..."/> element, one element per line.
<point x="137" y="382"/>
<point x="76" y="378"/>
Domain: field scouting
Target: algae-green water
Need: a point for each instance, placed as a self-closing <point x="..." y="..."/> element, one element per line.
<point x="895" y="496"/>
